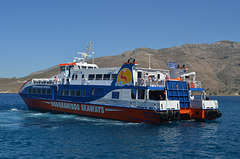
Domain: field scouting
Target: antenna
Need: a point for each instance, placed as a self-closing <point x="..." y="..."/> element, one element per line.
<point x="93" y="57"/>
<point x="149" y="60"/>
<point x="84" y="55"/>
<point x="88" y="50"/>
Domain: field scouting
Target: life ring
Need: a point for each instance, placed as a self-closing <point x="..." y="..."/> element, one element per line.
<point x="142" y="81"/>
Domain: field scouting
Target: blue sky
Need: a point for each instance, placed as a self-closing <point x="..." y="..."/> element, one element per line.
<point x="38" y="34"/>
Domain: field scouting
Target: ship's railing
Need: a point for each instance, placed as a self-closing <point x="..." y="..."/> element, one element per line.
<point x="195" y="84"/>
<point x="43" y="81"/>
<point x="198" y="84"/>
<point x="204" y="104"/>
<point x="151" y="83"/>
<point x="169" y="105"/>
<point x="96" y="82"/>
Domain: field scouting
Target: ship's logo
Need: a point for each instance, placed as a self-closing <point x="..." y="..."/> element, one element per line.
<point x="124" y="77"/>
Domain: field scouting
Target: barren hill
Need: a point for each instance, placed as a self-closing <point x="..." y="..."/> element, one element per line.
<point x="217" y="65"/>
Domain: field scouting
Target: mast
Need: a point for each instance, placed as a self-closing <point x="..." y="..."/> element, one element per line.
<point x="88" y="50"/>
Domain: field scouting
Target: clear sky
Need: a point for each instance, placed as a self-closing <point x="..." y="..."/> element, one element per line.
<point x="38" y="34"/>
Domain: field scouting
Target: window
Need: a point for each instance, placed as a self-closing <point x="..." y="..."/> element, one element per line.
<point x="139" y="74"/>
<point x="141" y="94"/>
<point x="43" y="91"/>
<point x="72" y="93"/>
<point x="113" y="76"/>
<point x="89" y="67"/>
<point x="157" y="95"/>
<point x="38" y="91"/>
<point x="91" y="77"/>
<point x="84" y="67"/>
<point x="78" y="93"/>
<point x="98" y="76"/>
<point x="73" y="77"/>
<point x="158" y="76"/>
<point x="34" y="90"/>
<point x="66" y="93"/>
<point x="29" y="90"/>
<point x="49" y="91"/>
<point x="106" y="77"/>
<point x="83" y="76"/>
<point x="61" y="92"/>
<point x="62" y="68"/>
<point x="133" y="93"/>
<point x="83" y="93"/>
<point x="115" y="95"/>
<point x="93" y="90"/>
<point x="76" y="76"/>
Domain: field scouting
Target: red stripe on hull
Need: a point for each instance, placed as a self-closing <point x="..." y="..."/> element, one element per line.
<point x="101" y="111"/>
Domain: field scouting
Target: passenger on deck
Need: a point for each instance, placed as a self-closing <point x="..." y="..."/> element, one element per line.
<point x="161" y="98"/>
<point x="167" y="78"/>
<point x="191" y="97"/>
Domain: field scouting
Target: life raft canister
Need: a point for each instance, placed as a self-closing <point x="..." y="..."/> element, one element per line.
<point x="192" y="85"/>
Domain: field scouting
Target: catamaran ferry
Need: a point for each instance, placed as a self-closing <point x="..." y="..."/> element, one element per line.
<point x="126" y="93"/>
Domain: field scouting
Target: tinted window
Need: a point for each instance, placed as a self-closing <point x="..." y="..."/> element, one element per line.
<point x="83" y="94"/>
<point x="72" y="92"/>
<point x="43" y="91"/>
<point x="29" y="90"/>
<point x="91" y="77"/>
<point x="34" y="90"/>
<point x="49" y="91"/>
<point x="78" y="93"/>
<point x="139" y="74"/>
<point x="38" y="91"/>
<point x="98" y="76"/>
<point x="106" y="77"/>
<point x="113" y="76"/>
<point x="66" y="92"/>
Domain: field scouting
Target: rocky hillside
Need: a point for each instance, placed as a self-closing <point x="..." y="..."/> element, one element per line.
<point x="217" y="65"/>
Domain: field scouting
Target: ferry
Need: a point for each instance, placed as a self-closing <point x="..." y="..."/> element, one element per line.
<point x="127" y="93"/>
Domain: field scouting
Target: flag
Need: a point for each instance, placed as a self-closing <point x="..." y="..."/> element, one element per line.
<point x="172" y="65"/>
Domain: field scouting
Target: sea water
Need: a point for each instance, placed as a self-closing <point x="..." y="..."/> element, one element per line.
<point x="31" y="134"/>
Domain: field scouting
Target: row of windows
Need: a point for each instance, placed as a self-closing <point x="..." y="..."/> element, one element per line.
<point x="66" y="92"/>
<point x="39" y="91"/>
<point x="101" y="76"/>
<point x="96" y="76"/>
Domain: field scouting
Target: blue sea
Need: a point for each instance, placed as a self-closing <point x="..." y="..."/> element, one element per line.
<point x="30" y="134"/>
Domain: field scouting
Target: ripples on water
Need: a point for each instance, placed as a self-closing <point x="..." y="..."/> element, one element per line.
<point x="29" y="134"/>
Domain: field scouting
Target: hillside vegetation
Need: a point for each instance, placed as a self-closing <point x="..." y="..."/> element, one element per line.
<point x="217" y="65"/>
